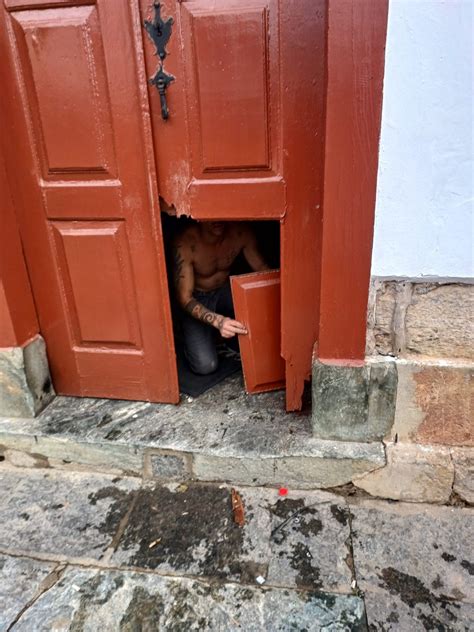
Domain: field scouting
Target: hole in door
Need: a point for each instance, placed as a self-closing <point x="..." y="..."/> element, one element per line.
<point x="206" y="353"/>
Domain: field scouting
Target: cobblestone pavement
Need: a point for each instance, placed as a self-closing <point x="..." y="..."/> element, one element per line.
<point x="92" y="552"/>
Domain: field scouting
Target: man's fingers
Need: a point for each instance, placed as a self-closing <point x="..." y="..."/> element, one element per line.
<point x="238" y="327"/>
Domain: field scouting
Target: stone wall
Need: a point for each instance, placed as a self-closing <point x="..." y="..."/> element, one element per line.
<point x="428" y="328"/>
<point x="422" y="333"/>
<point x="433" y="319"/>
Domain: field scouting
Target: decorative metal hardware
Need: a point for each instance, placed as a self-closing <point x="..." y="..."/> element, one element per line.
<point x="159" y="31"/>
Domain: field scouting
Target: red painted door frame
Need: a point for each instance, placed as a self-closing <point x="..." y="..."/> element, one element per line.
<point x="355" y="70"/>
<point x="18" y="320"/>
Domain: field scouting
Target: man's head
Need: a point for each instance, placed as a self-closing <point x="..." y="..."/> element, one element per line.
<point x="216" y="229"/>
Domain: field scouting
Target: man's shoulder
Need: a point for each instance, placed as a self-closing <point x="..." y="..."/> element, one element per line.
<point x="188" y="237"/>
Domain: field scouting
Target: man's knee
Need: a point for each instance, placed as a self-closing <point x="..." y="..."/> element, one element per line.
<point x="203" y="365"/>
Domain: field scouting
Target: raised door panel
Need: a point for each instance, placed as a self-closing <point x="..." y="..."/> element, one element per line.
<point x="81" y="166"/>
<point x="97" y="281"/>
<point x="257" y="304"/>
<point x="63" y="68"/>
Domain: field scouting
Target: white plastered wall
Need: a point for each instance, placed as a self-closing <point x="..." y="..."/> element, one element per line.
<point x="424" y="221"/>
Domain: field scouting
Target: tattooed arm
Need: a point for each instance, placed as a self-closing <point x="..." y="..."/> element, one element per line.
<point x="184" y="286"/>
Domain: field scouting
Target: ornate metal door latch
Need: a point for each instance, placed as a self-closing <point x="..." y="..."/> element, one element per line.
<point x="159" y="31"/>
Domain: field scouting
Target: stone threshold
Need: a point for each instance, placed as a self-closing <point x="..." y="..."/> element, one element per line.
<point x="224" y="435"/>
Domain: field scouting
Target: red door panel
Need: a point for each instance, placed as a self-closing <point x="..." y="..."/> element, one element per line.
<point x="80" y="164"/>
<point x="257" y="304"/>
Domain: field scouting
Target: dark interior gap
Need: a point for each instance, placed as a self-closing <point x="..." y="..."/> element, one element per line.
<point x="268" y="240"/>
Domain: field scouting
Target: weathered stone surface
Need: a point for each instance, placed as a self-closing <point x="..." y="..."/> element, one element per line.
<point x="25" y="382"/>
<point x="439" y="320"/>
<point x="63" y="452"/>
<point x="381" y="328"/>
<point x="432" y="319"/>
<point x="420" y="553"/>
<point x="37" y="373"/>
<point x="463" y="461"/>
<point x="310" y="544"/>
<point x="25" y="459"/>
<point x="170" y="466"/>
<point x="89" y="600"/>
<point x="113" y="436"/>
<point x="405" y="605"/>
<point x="434" y="403"/>
<point x="354" y="403"/>
<point x="413" y="473"/>
<point x="301" y="471"/>
<point x="74" y="516"/>
<point x="192" y="532"/>
<point x="20" y="579"/>
<point x="15" y="396"/>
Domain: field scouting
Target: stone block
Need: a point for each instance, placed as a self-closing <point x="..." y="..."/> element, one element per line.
<point x="165" y="465"/>
<point x="25" y="381"/>
<point x="384" y="308"/>
<point x="413" y="563"/>
<point x="463" y="461"/>
<point x="48" y="513"/>
<point x="114" y="458"/>
<point x="354" y="403"/>
<point x="332" y="464"/>
<point x="438" y="320"/>
<point x="413" y="473"/>
<point x="434" y="403"/>
<point x="20" y="582"/>
<point x="87" y="599"/>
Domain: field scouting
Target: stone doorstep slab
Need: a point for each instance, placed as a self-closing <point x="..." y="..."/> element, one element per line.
<point x="322" y="464"/>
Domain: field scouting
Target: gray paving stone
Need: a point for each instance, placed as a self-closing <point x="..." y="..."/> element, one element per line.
<point x="20" y="578"/>
<point x="396" y="543"/>
<point x="193" y="533"/>
<point x="310" y="543"/>
<point x="73" y="515"/>
<point x="88" y="601"/>
<point x="414" y="564"/>
<point x="387" y="612"/>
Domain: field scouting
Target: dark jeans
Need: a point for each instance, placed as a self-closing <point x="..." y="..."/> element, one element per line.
<point x="199" y="338"/>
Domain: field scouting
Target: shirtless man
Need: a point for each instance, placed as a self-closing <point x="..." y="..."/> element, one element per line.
<point x="203" y="255"/>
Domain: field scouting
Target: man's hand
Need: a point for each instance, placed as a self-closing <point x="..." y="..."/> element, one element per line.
<point x="229" y="328"/>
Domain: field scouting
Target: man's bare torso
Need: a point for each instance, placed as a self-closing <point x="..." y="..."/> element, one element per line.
<point x="212" y="261"/>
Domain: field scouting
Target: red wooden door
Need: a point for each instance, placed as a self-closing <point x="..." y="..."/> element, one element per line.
<point x="80" y="163"/>
<point x="244" y="137"/>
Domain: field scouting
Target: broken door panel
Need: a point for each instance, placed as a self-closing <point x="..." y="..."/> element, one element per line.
<point x="80" y="161"/>
<point x="257" y="305"/>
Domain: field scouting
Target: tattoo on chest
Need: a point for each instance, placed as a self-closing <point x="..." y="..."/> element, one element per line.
<point x="197" y="310"/>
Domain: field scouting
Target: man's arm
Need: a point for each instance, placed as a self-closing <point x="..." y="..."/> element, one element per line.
<point x="251" y="253"/>
<point x="184" y="286"/>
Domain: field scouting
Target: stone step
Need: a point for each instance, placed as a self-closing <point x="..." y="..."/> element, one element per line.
<point x="224" y="435"/>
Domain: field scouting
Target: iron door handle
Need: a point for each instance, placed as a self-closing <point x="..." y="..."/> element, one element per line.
<point x="159" y="32"/>
<point x="162" y="80"/>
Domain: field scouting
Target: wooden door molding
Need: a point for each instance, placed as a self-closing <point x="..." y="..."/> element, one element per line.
<point x="80" y="163"/>
<point x="355" y="70"/>
<point x="18" y="320"/>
